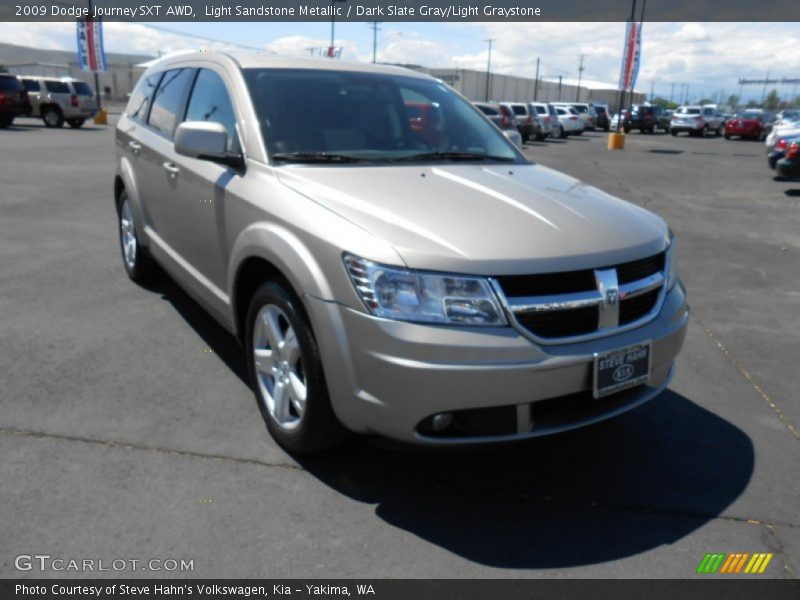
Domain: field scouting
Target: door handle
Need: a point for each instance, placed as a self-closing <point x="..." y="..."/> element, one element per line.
<point x="135" y="147"/>
<point x="171" y="169"/>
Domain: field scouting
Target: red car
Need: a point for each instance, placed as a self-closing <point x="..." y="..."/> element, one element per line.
<point x="14" y="100"/>
<point x="751" y="124"/>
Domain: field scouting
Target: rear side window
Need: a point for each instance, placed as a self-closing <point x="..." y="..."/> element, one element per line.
<point x="210" y="102"/>
<point x="519" y="110"/>
<point x="487" y="110"/>
<point x="82" y="89"/>
<point x="31" y="85"/>
<point x="57" y="87"/>
<point x="580" y="108"/>
<point x="10" y="84"/>
<point x="541" y="110"/>
<point x="169" y="100"/>
<point x="139" y="104"/>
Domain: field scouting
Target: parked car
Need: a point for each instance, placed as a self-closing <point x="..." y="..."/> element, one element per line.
<point x="570" y="122"/>
<point x="376" y="284"/>
<point x="527" y="123"/>
<point x="696" y="121"/>
<point x="503" y="117"/>
<point x="13" y="100"/>
<point x="646" y="118"/>
<point x="542" y="111"/>
<point x="59" y="101"/>
<point x="786" y="117"/>
<point x="789" y="130"/>
<point x="602" y="120"/>
<point x="779" y="150"/>
<point x="751" y="124"/>
<point x="583" y="111"/>
<point x="789" y="166"/>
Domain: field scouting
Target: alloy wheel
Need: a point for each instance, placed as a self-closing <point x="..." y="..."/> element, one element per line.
<point x="127" y="232"/>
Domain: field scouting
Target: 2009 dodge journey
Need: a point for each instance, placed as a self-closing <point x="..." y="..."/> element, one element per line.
<point x="389" y="261"/>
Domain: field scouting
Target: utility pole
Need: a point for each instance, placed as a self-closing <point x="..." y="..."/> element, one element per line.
<point x="764" y="95"/>
<point x="652" y="90"/>
<point x="671" y="92"/>
<point x="375" y="30"/>
<point x="580" y="76"/>
<point x="559" y="88"/>
<point x="536" y="82"/>
<point x="488" y="67"/>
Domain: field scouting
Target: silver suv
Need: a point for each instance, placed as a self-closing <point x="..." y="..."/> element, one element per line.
<point x="59" y="101"/>
<point x="385" y="272"/>
<point x="697" y="121"/>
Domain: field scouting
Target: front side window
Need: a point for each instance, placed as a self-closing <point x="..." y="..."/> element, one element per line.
<point x="210" y="102"/>
<point x="169" y="100"/>
<point x="372" y="117"/>
<point x="139" y="104"/>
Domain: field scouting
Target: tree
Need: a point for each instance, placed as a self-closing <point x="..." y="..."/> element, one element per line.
<point x="3" y="68"/>
<point x="705" y="101"/>
<point x="663" y="102"/>
<point x="752" y="104"/>
<point x="772" y="101"/>
<point x="732" y="101"/>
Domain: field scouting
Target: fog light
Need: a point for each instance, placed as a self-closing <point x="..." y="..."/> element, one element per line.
<point x="442" y="421"/>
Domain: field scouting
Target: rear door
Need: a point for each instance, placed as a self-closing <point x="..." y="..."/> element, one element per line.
<point x="157" y="171"/>
<point x="58" y="92"/>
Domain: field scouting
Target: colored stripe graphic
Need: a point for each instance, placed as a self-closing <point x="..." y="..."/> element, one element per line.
<point x="711" y="562"/>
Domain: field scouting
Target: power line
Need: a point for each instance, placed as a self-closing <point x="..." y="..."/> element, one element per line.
<point x="205" y="38"/>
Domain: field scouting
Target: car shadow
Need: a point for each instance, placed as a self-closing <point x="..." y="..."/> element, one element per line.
<point x="606" y="492"/>
<point x="613" y="490"/>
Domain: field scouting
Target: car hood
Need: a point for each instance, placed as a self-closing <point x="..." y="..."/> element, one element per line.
<point x="484" y="219"/>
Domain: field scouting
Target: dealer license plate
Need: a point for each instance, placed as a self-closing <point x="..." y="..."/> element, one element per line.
<point x="621" y="369"/>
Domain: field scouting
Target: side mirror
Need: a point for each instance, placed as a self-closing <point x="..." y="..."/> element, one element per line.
<point x="206" y="141"/>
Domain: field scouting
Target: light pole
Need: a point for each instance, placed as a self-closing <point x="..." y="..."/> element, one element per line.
<point x="375" y="30"/>
<point x="488" y="68"/>
<point x="331" y="49"/>
<point x="580" y="76"/>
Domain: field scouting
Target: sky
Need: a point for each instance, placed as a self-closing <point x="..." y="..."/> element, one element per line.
<point x="708" y="57"/>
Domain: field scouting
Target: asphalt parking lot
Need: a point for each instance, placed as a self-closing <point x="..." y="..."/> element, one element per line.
<point x="128" y="430"/>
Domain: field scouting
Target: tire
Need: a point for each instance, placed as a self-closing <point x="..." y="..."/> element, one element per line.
<point x="727" y="136"/>
<point x="673" y="133"/>
<point x="704" y="132"/>
<point x="76" y="123"/>
<point x="626" y="128"/>
<point x="607" y="128"/>
<point x="561" y="133"/>
<point x="139" y="265"/>
<point x="540" y="137"/>
<point x="53" y="117"/>
<point x="6" y="122"/>
<point x="276" y="319"/>
<point x="718" y="131"/>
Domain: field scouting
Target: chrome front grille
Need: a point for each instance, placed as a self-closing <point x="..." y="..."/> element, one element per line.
<point x="576" y="305"/>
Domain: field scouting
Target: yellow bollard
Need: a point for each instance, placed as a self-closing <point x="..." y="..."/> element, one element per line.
<point x="616" y="141"/>
<point x="101" y="118"/>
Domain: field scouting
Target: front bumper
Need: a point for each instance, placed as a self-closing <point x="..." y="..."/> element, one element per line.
<point x="389" y="377"/>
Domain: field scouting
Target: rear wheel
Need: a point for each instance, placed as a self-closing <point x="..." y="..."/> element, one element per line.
<point x="704" y="132"/>
<point x="718" y="131"/>
<point x="285" y="366"/>
<point x="6" y="122"/>
<point x="138" y="263"/>
<point x="673" y="132"/>
<point x="76" y="123"/>
<point x="52" y="117"/>
<point x="727" y="136"/>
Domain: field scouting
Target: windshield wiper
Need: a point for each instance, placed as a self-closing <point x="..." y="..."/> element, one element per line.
<point x="312" y="157"/>
<point x="452" y="156"/>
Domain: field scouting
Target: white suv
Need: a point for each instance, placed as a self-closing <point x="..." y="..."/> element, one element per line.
<point x="697" y="121"/>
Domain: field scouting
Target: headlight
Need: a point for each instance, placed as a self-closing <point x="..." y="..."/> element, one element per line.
<point x="424" y="297"/>
<point x="672" y="268"/>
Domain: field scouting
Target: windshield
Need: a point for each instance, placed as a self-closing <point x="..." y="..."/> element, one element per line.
<point x="373" y="117"/>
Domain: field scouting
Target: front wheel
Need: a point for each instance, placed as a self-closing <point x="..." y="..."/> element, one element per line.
<point x="76" y="123"/>
<point x="673" y="132"/>
<point x="285" y="367"/>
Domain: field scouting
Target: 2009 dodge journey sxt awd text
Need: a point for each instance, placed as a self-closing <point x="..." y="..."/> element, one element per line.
<point x="389" y="261"/>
